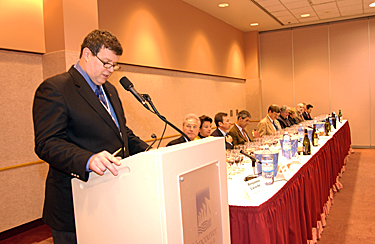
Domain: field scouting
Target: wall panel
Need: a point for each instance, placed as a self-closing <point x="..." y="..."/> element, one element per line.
<point x="311" y="68"/>
<point x="349" y="70"/>
<point x="276" y="64"/>
<point x="22" y="189"/>
<point x="372" y="78"/>
<point x="174" y="35"/>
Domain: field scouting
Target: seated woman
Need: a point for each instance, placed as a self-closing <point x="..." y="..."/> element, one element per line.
<point x="205" y="128"/>
<point x="292" y="116"/>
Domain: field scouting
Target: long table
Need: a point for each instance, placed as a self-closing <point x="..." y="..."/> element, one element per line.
<point x="296" y="213"/>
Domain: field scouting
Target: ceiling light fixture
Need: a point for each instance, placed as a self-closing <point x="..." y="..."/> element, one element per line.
<point x="372" y="5"/>
<point x="223" y="5"/>
<point x="254" y="24"/>
<point x="305" y="15"/>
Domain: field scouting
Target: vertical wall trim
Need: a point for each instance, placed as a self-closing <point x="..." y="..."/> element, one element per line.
<point x="369" y="73"/>
<point x="294" y="86"/>
<point x="260" y="80"/>
<point x="329" y="70"/>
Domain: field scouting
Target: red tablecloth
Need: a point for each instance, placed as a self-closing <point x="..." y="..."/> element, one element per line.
<point x="294" y="213"/>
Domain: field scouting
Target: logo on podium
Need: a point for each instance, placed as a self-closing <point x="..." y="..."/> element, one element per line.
<point x="203" y="210"/>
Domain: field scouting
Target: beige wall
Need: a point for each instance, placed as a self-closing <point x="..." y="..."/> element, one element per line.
<point x="21" y="25"/>
<point x="325" y="65"/>
<point x="174" y="35"/>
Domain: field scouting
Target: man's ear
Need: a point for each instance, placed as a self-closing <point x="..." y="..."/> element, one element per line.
<point x="86" y="53"/>
<point x="220" y="124"/>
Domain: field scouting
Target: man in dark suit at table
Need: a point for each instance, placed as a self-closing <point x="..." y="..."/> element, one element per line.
<point x="190" y="127"/>
<point x="79" y="123"/>
<point x="238" y="131"/>
<point x="284" y="117"/>
<point x="223" y="125"/>
<point x="307" y="114"/>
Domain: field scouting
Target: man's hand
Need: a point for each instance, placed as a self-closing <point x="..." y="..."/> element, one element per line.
<point x="229" y="139"/>
<point x="102" y="161"/>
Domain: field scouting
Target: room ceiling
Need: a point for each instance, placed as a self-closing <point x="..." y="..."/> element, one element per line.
<point x="280" y="14"/>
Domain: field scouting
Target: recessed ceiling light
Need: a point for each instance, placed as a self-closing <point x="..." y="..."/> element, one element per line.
<point x="305" y="15"/>
<point x="254" y="24"/>
<point x="223" y="5"/>
<point x="372" y="5"/>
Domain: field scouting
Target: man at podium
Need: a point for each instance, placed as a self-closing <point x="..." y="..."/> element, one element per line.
<point x="79" y="127"/>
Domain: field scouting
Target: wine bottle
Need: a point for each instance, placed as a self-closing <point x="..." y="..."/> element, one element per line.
<point x="340" y="116"/>
<point x="327" y="126"/>
<point x="334" y="120"/>
<point x="306" y="144"/>
<point x="315" y="137"/>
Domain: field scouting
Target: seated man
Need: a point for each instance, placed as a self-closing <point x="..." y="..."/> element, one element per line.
<point x="269" y="124"/>
<point x="292" y="116"/>
<point x="190" y="127"/>
<point x="238" y="132"/>
<point x="299" y="117"/>
<point x="283" y="117"/>
<point x="222" y="122"/>
<point x="307" y="113"/>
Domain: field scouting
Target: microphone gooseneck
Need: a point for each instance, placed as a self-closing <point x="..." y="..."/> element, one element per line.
<point x="126" y="83"/>
<point x="155" y="138"/>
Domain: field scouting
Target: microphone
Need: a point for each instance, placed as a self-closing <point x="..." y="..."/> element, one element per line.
<point x="253" y="159"/>
<point x="155" y="138"/>
<point x="126" y="83"/>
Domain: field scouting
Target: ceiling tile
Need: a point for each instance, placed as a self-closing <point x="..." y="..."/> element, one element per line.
<point x="299" y="11"/>
<point x="329" y="16"/>
<point x="267" y="3"/>
<point x="351" y="8"/>
<point x="314" y="2"/>
<point x="297" y="5"/>
<point x="282" y="13"/>
<point x="275" y="8"/>
<point x="326" y="6"/>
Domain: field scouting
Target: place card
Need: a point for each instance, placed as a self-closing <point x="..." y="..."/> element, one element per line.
<point x="254" y="185"/>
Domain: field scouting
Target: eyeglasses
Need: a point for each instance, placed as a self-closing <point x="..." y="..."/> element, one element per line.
<point x="108" y="65"/>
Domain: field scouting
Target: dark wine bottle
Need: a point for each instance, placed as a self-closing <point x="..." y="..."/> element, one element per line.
<point x="327" y="126"/>
<point x="334" y="120"/>
<point x="306" y="144"/>
<point x="315" y="138"/>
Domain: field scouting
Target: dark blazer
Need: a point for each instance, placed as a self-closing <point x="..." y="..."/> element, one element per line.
<point x="218" y="133"/>
<point x="179" y="140"/>
<point x="306" y="116"/>
<point x="284" y="122"/>
<point x="70" y="125"/>
<point x="238" y="137"/>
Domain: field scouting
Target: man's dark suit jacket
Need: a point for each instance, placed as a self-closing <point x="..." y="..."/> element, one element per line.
<point x="284" y="122"/>
<point x="179" y="140"/>
<point x="306" y="116"/>
<point x="238" y="137"/>
<point x="70" y="125"/>
<point x="218" y="133"/>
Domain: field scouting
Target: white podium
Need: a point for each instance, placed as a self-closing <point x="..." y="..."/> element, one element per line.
<point x="171" y="195"/>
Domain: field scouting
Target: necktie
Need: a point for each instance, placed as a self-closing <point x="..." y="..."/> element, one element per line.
<point x="277" y="128"/>
<point x="100" y="95"/>
<point x="243" y="133"/>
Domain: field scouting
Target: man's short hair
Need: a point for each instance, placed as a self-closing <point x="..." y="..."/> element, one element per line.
<point x="284" y="108"/>
<point x="219" y="118"/>
<point x="191" y="116"/>
<point x="274" y="108"/>
<point x="204" y="118"/>
<point x="97" y="39"/>
<point x="308" y="106"/>
<point x="243" y="114"/>
<point x="292" y="110"/>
